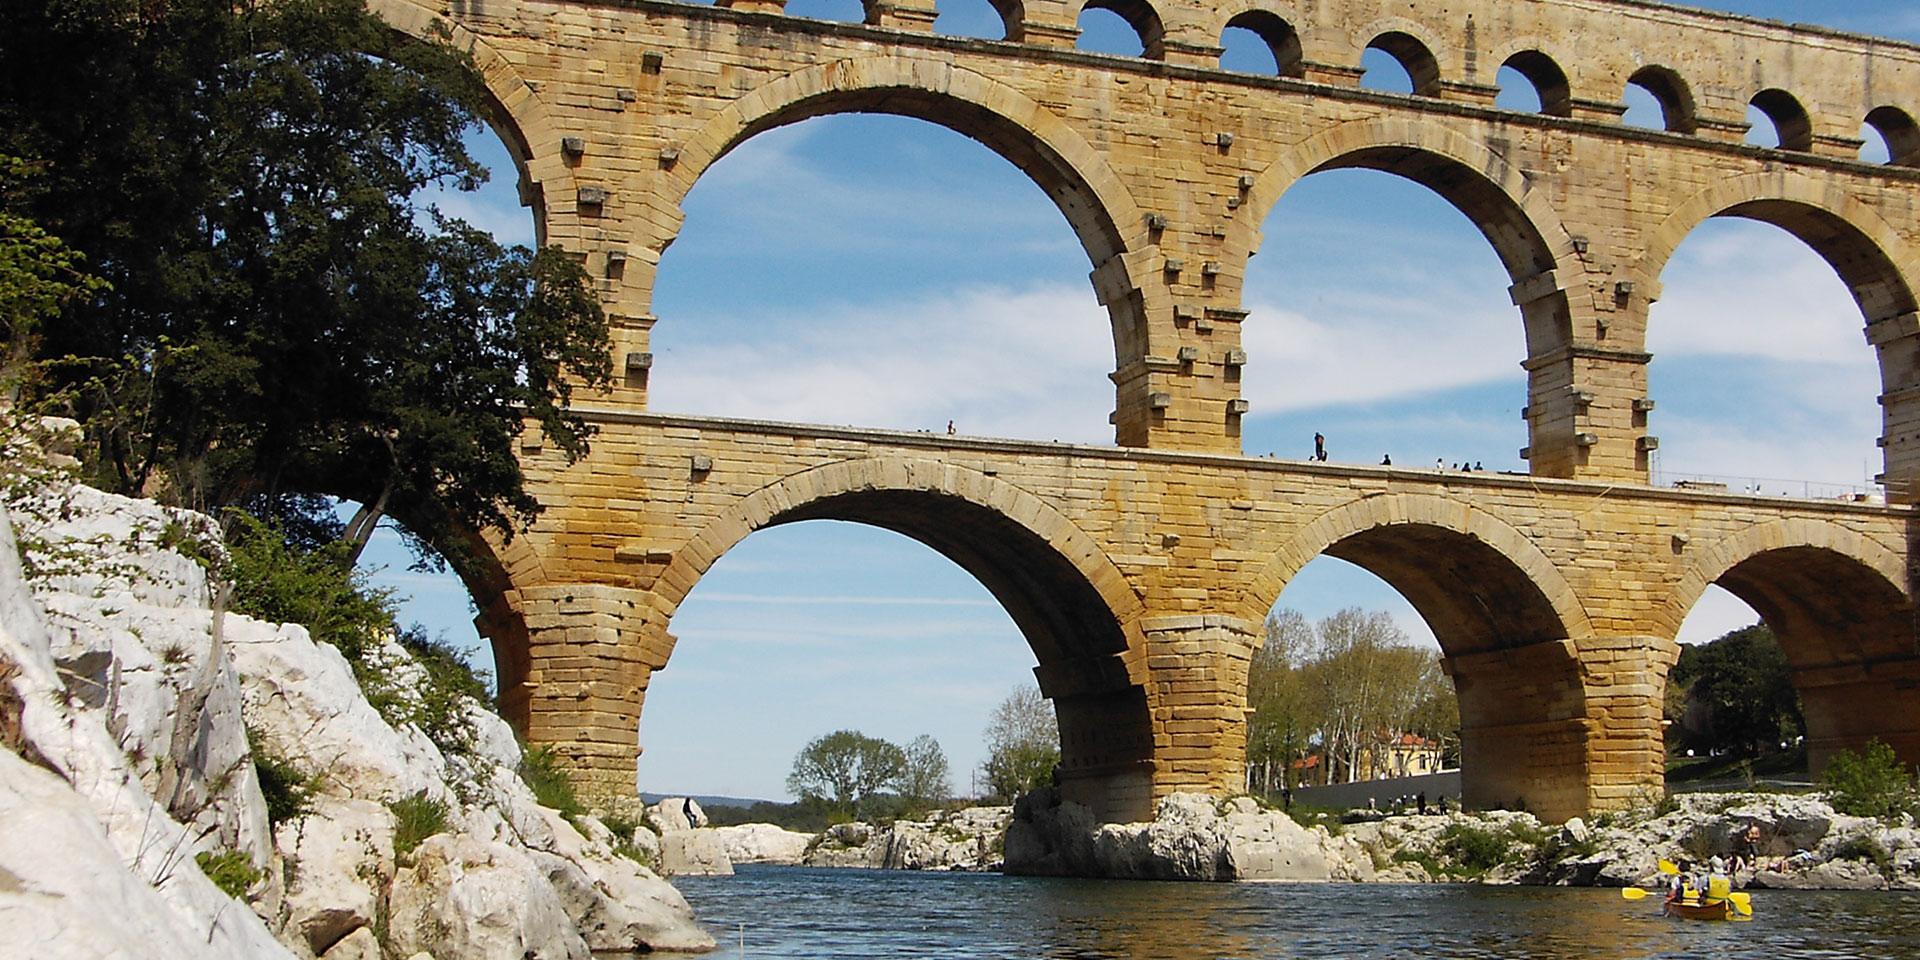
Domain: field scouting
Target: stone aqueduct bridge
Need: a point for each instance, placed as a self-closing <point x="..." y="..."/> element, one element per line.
<point x="1140" y="573"/>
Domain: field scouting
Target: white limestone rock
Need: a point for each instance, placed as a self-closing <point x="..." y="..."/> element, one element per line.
<point x="967" y="839"/>
<point x="694" y="853"/>
<point x="478" y="900"/>
<point x="619" y="904"/>
<point x="1268" y="845"/>
<point x="763" y="843"/>
<point x="301" y="698"/>
<point x="675" y="814"/>
<point x="66" y="891"/>
<point x="342" y="856"/>
<point x="40" y="718"/>
<point x="361" y="944"/>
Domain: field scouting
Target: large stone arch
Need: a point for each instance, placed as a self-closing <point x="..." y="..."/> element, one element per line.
<point x="1096" y="203"/>
<point x="1841" y="604"/>
<point x="1520" y="224"/>
<point x="1527" y="234"/>
<point x="1868" y="253"/>
<point x="1511" y="631"/>
<point x="1872" y="258"/>
<point x="1075" y="608"/>
<point x="519" y="118"/>
<point x="1539" y="605"/>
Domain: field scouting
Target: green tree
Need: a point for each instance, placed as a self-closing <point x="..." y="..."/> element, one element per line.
<point x="846" y="767"/>
<point x="286" y="316"/>
<point x="39" y="276"/>
<point x="924" y="781"/>
<point x="1342" y="688"/>
<point x="1736" y="694"/>
<point x="1023" y="744"/>
<point x="1871" y="783"/>
<point x="1283" y="704"/>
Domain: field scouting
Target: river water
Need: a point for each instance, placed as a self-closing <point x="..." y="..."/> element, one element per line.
<point x="810" y="914"/>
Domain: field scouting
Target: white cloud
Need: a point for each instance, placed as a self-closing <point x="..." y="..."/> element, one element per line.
<point x="1383" y="349"/>
<point x="1030" y="364"/>
<point x="1749" y="289"/>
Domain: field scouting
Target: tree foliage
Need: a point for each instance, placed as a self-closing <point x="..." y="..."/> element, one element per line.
<point x="285" y="315"/>
<point x="924" y="780"/>
<point x="1871" y="783"/>
<point x="1023" y="744"/>
<point x="39" y="276"/>
<point x="1340" y="689"/>
<point x="846" y="767"/>
<point x="1734" y="695"/>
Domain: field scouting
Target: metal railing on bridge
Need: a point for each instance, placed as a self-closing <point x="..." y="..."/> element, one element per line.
<point x="1865" y="492"/>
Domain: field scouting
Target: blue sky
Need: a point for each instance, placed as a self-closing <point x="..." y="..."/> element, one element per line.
<point x="891" y="260"/>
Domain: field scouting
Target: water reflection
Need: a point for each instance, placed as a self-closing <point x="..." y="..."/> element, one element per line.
<point x="811" y="914"/>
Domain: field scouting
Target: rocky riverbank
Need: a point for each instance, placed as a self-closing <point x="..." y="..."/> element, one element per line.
<point x="968" y="839"/>
<point x="1804" y="844"/>
<point x="140" y="725"/>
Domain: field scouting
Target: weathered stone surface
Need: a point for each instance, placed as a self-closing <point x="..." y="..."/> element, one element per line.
<point x="361" y="944"/>
<point x="694" y="852"/>
<point x="479" y="900"/>
<point x="303" y="701"/>
<point x="135" y="693"/>
<point x="342" y="856"/>
<point x="89" y="831"/>
<point x="1192" y="837"/>
<point x="763" y="843"/>
<point x="675" y="814"/>
<point x="65" y="892"/>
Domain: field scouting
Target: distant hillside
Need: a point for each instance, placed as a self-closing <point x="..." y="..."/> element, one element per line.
<point x="705" y="801"/>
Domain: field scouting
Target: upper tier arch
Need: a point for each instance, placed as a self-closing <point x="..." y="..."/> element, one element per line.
<point x="1070" y="171"/>
<point x="1862" y="247"/>
<point x="519" y="117"/>
<point x="1523" y="228"/>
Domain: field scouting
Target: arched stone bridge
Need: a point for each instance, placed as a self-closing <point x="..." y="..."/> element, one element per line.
<point x="1140" y="573"/>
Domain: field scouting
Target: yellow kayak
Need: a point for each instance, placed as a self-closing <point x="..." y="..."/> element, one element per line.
<point x="1705" y="910"/>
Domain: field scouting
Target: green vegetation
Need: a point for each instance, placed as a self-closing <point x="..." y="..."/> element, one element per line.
<point x="1733" y="698"/>
<point x="542" y="769"/>
<point x="1866" y="849"/>
<point x="1023" y="745"/>
<point x="924" y="782"/>
<point x="288" y="792"/>
<point x="1469" y="850"/>
<point x="278" y="579"/>
<point x="270" y="311"/>
<point x="1475" y="849"/>
<point x="625" y="832"/>
<point x="1871" y="783"/>
<point x="40" y="277"/>
<point x="1788" y="763"/>
<point x="806" y="816"/>
<point x="846" y="768"/>
<point x="1309" y="816"/>
<point x="292" y="579"/>
<point x="1334" y="689"/>
<point x="416" y="818"/>
<point x="230" y="870"/>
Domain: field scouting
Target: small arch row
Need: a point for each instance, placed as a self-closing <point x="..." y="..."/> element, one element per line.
<point x="1656" y="95"/>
